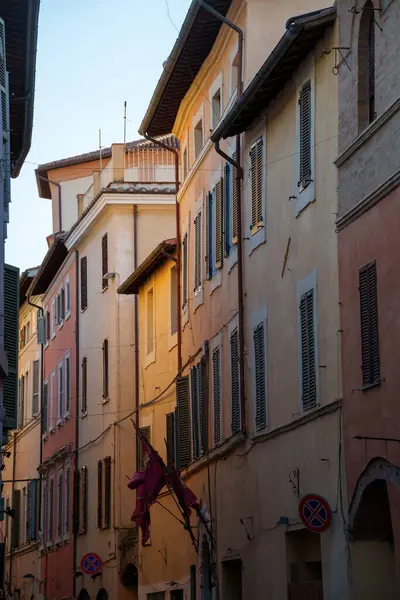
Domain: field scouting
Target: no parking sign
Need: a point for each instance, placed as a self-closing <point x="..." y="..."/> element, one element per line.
<point x="315" y="513"/>
<point x="91" y="563"/>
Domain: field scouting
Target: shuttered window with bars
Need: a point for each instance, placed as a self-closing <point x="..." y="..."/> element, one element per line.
<point x="84" y="385"/>
<point x="67" y="499"/>
<point x="183" y="411"/>
<point x="216" y="383"/>
<point x="83" y="500"/>
<point x="199" y="425"/>
<point x="143" y="458"/>
<point x="84" y="283"/>
<point x="104" y="261"/>
<point x="105" y="370"/>
<point x="235" y="382"/>
<point x="170" y="437"/>
<point x="260" y="377"/>
<point x="369" y="324"/>
<point x="60" y="499"/>
<point x="257" y="184"/>
<point x="35" y="387"/>
<point x="305" y="123"/>
<point x="50" y="512"/>
<point x="107" y="492"/>
<point x="198" y="252"/>
<point x="308" y="351"/>
<point x="99" y="494"/>
<point x="185" y="250"/>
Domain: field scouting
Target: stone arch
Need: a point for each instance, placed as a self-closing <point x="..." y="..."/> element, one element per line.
<point x="366" y="67"/>
<point x="377" y="469"/>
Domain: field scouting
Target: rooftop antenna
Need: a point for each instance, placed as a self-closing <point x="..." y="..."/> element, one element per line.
<point x="125" y="123"/>
<point x="101" y="162"/>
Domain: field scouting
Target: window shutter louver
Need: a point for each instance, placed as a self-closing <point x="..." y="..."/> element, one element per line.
<point x="201" y="375"/>
<point x="62" y="303"/>
<point x="209" y="245"/>
<point x="51" y="510"/>
<point x="29" y="512"/>
<point x="259" y="354"/>
<point x="84" y="384"/>
<point x="369" y="324"/>
<point x="371" y="69"/>
<point x="67" y="499"/>
<point x="218" y="193"/>
<point x="99" y="494"/>
<point x="170" y="432"/>
<point x="11" y="316"/>
<point x="107" y="491"/>
<point x="4" y="84"/>
<point x="195" y="412"/>
<point x="308" y="359"/>
<point x="216" y="366"/>
<point x="60" y="506"/>
<point x="184" y="437"/>
<point x="77" y="500"/>
<point x="84" y="281"/>
<point x="45" y="396"/>
<point x="235" y="382"/>
<point x="15" y="523"/>
<point x="35" y="387"/>
<point x="146" y="432"/>
<point x="83" y="499"/>
<point x="105" y="369"/>
<point x="68" y="297"/>
<point x="305" y="135"/>
<point x="257" y="182"/>
<point x="184" y="271"/>
<point x="234" y="202"/>
<point x="104" y="260"/>
<point x="227" y="209"/>
<point x="67" y="384"/>
<point x="197" y="252"/>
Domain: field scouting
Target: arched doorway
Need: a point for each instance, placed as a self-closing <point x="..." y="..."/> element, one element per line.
<point x="102" y="594"/>
<point x="371" y="534"/>
<point x="83" y="595"/>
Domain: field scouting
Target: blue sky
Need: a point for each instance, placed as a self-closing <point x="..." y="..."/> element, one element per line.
<point x="92" y="56"/>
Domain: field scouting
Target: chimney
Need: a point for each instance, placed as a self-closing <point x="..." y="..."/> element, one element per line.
<point x="118" y="162"/>
<point x="96" y="182"/>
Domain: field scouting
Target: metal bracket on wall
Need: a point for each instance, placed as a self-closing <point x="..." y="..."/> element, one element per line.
<point x="338" y="53"/>
<point x="294" y="480"/>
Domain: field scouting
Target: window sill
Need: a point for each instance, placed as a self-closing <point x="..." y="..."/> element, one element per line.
<point x="216" y="280"/>
<point x="104" y="289"/>
<point x="256" y="239"/>
<point x="52" y="430"/>
<point x="84" y="414"/>
<point x="60" y="423"/>
<point x="53" y="335"/>
<point x="369" y="386"/>
<point x="67" y="316"/>
<point x="45" y="436"/>
<point x="60" y="325"/>
<point x="84" y="309"/>
<point x="105" y="400"/>
<point x="67" y="415"/>
<point x="172" y="341"/>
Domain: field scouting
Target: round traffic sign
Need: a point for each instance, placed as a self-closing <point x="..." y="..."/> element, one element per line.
<point x="91" y="563"/>
<point x="315" y="513"/>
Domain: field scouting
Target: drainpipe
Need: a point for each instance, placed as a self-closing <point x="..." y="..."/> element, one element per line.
<point x="136" y="328"/>
<point x="178" y="247"/>
<point x="77" y="370"/>
<point x="239" y="178"/>
<point x="59" y="199"/>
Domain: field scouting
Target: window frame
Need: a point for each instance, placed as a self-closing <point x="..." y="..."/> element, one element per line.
<point x="67" y="374"/>
<point x="310" y="282"/>
<point x="257" y="234"/>
<point x="216" y="344"/>
<point x="216" y="86"/>
<point x="67" y="297"/>
<point x="37" y="412"/>
<point x="232" y="327"/>
<point x="257" y="318"/>
<point x="150" y="355"/>
<point x="199" y="116"/>
<point x="60" y="391"/>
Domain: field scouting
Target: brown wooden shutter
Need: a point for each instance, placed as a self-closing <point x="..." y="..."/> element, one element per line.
<point x="203" y="424"/>
<point x="371" y="70"/>
<point x="104" y="260"/>
<point x="259" y="357"/>
<point x="83" y="503"/>
<point x="257" y="183"/>
<point x="51" y="510"/>
<point x="219" y="251"/>
<point x="216" y="374"/>
<point x="60" y="499"/>
<point x="184" y="437"/>
<point x="197" y="251"/>
<point x="235" y="382"/>
<point x="235" y="200"/>
<point x="146" y="432"/>
<point x="105" y="369"/>
<point x="308" y="358"/>
<point x="209" y="244"/>
<point x="107" y="491"/>
<point x="84" y="282"/>
<point x="305" y="134"/>
<point x="100" y="494"/>
<point x="369" y="324"/>
<point x="170" y="434"/>
<point x="77" y="502"/>
<point x="84" y="384"/>
<point x="195" y="411"/>
<point x="185" y="270"/>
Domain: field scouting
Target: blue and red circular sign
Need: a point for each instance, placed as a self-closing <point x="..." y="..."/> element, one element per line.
<point x="315" y="513"/>
<point x="91" y="563"/>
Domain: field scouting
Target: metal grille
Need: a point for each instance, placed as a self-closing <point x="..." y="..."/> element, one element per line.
<point x="369" y="324"/>
<point x="182" y="391"/>
<point x="197" y="252"/>
<point x="257" y="183"/>
<point x="305" y="134"/>
<point x="216" y="366"/>
<point x="259" y="355"/>
<point x="308" y="373"/>
<point x="104" y="261"/>
<point x="235" y="383"/>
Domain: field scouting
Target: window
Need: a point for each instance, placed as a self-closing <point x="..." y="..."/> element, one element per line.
<point x="199" y="427"/>
<point x="198" y="138"/>
<point x="84" y="385"/>
<point x="260" y="377"/>
<point x="197" y="253"/>
<point x="105" y="370"/>
<point x="22" y="337"/>
<point x="214" y="238"/>
<point x="230" y="207"/>
<point x="45" y="405"/>
<point x="257" y="184"/>
<point x="104" y="261"/>
<point x="31" y="511"/>
<point x="68" y="297"/>
<point x="67" y="499"/>
<point x="305" y="143"/>
<point x="308" y="351"/>
<point x="170" y="437"/>
<point x="21" y="397"/>
<point x="174" y="313"/>
<point x="185" y="270"/>
<point x="67" y="384"/>
<point x="99" y="494"/>
<point x="150" y="321"/>
<point x="47" y="327"/>
<point x="28" y="332"/>
<point x="107" y="491"/>
<point x="50" y="511"/>
<point x="84" y="282"/>
<point x="216" y="108"/>
<point x="83" y="500"/>
<point x="235" y="382"/>
<point x="216" y="390"/>
<point x="51" y="402"/>
<point x="60" y="392"/>
<point x="234" y="73"/>
<point x="53" y="318"/>
<point x="60" y="498"/>
<point x="185" y="163"/>
<point x="156" y="596"/>
<point x="142" y="455"/>
<point x="369" y="325"/>
<point x="183" y="410"/>
<point x="62" y="304"/>
<point x="366" y="67"/>
<point x="35" y="387"/>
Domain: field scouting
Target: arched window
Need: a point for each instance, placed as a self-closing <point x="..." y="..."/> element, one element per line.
<point x="366" y="67"/>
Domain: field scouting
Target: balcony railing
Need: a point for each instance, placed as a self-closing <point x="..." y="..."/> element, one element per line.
<point x="149" y="165"/>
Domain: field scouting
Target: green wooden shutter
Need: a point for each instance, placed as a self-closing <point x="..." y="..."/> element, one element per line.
<point x="305" y="134"/>
<point x="369" y="324"/>
<point x="235" y="382"/>
<point x="184" y="437"/>
<point x="259" y="357"/>
<point x="209" y="236"/>
<point x="170" y="433"/>
<point x="11" y="310"/>
<point x="218" y="201"/>
<point x="227" y="208"/>
<point x="235" y="200"/>
<point x="195" y="412"/>
<point x="308" y="359"/>
<point x="99" y="494"/>
<point x="216" y="374"/>
<point x="107" y="491"/>
<point x="104" y="261"/>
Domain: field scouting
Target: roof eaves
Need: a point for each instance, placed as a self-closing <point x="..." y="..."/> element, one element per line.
<point x="54" y="258"/>
<point x="163" y="251"/>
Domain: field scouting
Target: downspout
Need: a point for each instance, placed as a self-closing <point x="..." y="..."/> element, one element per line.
<point x="136" y="328"/>
<point x="239" y="178"/>
<point x="178" y="247"/>
<point x="77" y="371"/>
<point x="59" y="199"/>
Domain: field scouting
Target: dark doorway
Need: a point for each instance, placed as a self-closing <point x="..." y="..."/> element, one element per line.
<point x="177" y="595"/>
<point x="83" y="595"/>
<point x="303" y="565"/>
<point x="102" y="594"/>
<point x="232" y="580"/>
